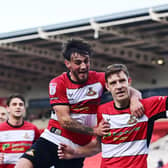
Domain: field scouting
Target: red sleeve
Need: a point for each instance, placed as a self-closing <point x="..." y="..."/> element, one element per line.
<point x="154" y="105"/>
<point x="57" y="91"/>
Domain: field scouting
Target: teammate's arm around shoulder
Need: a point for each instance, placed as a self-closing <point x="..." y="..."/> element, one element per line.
<point x="136" y="106"/>
<point x="67" y="122"/>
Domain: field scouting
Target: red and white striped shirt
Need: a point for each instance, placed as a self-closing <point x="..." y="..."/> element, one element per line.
<point x="126" y="144"/>
<point x="14" y="141"/>
<point x="83" y="100"/>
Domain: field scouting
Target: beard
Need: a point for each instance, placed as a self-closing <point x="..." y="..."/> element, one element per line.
<point x="80" y="76"/>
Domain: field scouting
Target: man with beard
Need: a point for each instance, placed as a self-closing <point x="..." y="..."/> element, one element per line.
<point x="16" y="135"/>
<point x="74" y="96"/>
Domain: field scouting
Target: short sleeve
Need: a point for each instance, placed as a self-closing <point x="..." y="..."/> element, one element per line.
<point x="57" y="92"/>
<point x="154" y="105"/>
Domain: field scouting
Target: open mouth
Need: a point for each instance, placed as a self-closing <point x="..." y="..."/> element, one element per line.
<point x="121" y="93"/>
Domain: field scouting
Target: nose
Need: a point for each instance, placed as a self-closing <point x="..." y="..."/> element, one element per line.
<point x="83" y="65"/>
<point x="119" y="85"/>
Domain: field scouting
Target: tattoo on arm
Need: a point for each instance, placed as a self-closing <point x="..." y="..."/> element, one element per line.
<point x="75" y="126"/>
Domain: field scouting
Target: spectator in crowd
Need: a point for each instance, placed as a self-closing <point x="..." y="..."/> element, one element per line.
<point x="126" y="144"/>
<point x="74" y="96"/>
<point x="16" y="135"/>
<point x="3" y="114"/>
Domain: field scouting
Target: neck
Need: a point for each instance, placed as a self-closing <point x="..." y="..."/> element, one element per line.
<point x="122" y="104"/>
<point x="72" y="77"/>
<point x="15" y="121"/>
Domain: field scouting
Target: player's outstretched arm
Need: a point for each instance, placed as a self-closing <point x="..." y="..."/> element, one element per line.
<point x="66" y="152"/>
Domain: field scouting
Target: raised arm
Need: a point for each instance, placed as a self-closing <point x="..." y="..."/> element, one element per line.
<point x="136" y="106"/>
<point x="66" y="152"/>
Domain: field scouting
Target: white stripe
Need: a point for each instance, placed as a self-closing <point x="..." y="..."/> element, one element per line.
<point x="167" y="113"/>
<point x="120" y="120"/>
<point x="124" y="149"/>
<point x="56" y="139"/>
<point x="16" y="135"/>
<point x="11" y="158"/>
<point x="80" y="94"/>
<point x="85" y="119"/>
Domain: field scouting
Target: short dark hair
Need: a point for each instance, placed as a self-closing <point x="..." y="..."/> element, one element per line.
<point x="78" y="46"/>
<point x="115" y="68"/>
<point x="16" y="95"/>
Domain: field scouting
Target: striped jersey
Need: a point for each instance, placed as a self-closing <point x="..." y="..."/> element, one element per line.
<point x="14" y="141"/>
<point x="126" y="144"/>
<point x="83" y="100"/>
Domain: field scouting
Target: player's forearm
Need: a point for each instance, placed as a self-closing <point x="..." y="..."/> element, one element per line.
<point x="88" y="150"/>
<point x="135" y="94"/>
<point x="74" y="126"/>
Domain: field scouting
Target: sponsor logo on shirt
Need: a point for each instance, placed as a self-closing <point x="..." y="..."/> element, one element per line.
<point x="105" y="136"/>
<point x="5" y="146"/>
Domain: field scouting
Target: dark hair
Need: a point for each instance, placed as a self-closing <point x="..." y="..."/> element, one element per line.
<point x="115" y="68"/>
<point x="76" y="46"/>
<point x="16" y="95"/>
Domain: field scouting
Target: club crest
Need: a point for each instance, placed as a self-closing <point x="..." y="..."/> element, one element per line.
<point x="132" y="120"/>
<point x="91" y="92"/>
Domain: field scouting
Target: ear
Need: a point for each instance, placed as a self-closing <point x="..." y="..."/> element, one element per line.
<point x="67" y="63"/>
<point x="7" y="108"/>
<point x="106" y="85"/>
<point x="129" y="81"/>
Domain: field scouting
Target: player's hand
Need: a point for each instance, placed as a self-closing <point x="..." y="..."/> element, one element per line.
<point x="102" y="129"/>
<point x="65" y="152"/>
<point x="1" y="158"/>
<point x="136" y="107"/>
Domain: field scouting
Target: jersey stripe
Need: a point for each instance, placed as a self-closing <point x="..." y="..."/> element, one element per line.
<point x="11" y="158"/>
<point x="121" y="120"/>
<point x="82" y="94"/>
<point x="10" y="136"/>
<point x="124" y="149"/>
<point x="116" y="136"/>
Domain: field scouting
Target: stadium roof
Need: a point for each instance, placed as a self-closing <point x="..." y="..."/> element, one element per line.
<point x="137" y="38"/>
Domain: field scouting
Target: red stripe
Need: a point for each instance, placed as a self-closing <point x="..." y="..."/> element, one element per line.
<point x="125" y="162"/>
<point x="127" y="134"/>
<point x="15" y="147"/>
